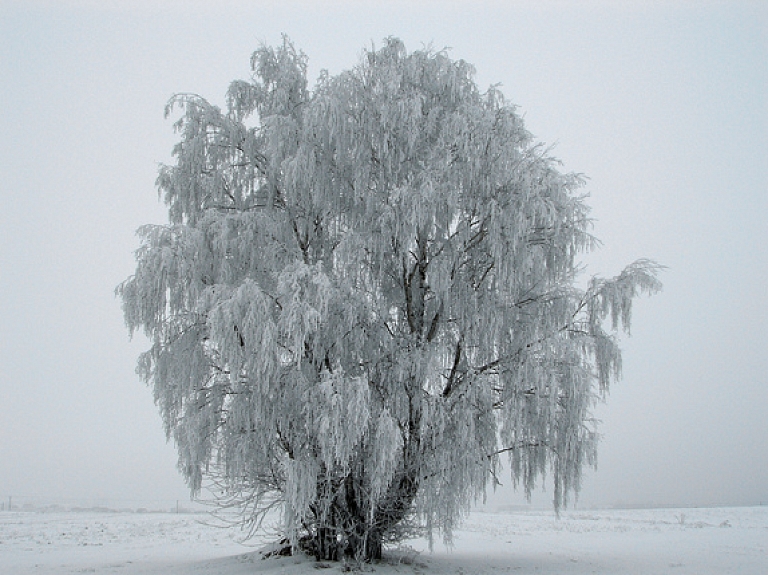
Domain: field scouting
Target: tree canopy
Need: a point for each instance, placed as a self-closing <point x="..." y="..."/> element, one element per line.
<point x="365" y="300"/>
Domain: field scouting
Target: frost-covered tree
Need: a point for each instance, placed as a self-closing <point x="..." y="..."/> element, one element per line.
<point x="365" y="299"/>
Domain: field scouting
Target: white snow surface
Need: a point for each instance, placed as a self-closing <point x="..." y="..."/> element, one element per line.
<point x="651" y="541"/>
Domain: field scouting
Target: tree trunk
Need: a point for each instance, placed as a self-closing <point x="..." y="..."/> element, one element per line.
<point x="326" y="544"/>
<point x="373" y="546"/>
<point x="346" y="529"/>
<point x="344" y="524"/>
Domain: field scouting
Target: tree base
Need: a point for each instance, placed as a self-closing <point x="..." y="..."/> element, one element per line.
<point x="327" y="549"/>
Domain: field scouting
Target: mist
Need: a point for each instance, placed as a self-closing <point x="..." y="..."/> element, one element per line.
<point x="661" y="105"/>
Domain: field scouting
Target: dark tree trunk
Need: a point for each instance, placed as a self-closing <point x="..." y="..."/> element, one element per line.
<point x="344" y="524"/>
<point x="326" y="545"/>
<point x="346" y="528"/>
<point x="373" y="546"/>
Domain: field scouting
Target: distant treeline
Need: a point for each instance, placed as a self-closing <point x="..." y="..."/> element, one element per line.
<point x="42" y="503"/>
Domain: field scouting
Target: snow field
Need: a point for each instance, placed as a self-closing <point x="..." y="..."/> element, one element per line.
<point x="629" y="542"/>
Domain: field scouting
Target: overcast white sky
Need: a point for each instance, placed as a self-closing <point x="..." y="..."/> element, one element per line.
<point x="663" y="105"/>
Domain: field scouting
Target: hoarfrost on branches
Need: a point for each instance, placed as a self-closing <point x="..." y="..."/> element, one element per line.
<point x="365" y="298"/>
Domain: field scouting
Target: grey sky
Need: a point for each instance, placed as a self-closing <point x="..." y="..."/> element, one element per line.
<point x="663" y="105"/>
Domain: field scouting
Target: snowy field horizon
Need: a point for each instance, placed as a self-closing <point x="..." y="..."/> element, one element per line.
<point x="500" y="502"/>
<point x="189" y="542"/>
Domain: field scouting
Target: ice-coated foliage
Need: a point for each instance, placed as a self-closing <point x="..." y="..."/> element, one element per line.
<point x="365" y="299"/>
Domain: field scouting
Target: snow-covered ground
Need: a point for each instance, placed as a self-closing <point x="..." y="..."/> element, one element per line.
<point x="627" y="542"/>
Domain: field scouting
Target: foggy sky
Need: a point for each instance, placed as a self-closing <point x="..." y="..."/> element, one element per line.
<point x="663" y="105"/>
